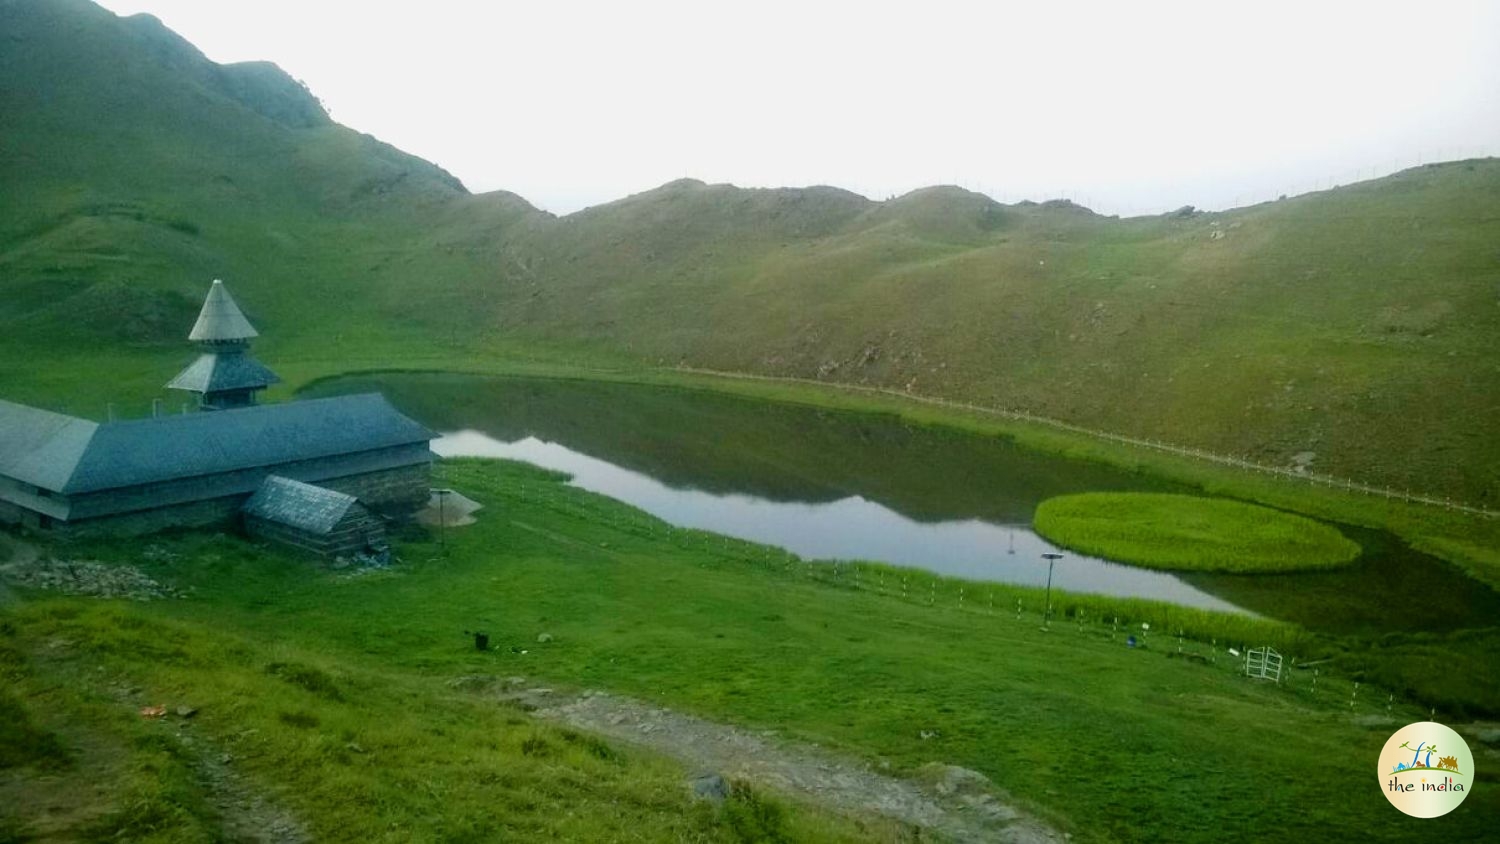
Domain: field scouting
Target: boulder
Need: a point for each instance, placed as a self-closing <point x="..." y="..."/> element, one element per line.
<point x="710" y="786"/>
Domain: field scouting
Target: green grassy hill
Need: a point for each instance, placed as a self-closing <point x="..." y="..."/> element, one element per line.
<point x="135" y="168"/>
<point x="1352" y="324"/>
<point x="1355" y="324"/>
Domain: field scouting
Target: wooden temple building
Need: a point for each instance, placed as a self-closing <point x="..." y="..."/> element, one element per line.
<point x="74" y="475"/>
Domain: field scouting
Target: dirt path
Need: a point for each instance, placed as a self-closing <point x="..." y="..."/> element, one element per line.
<point x="246" y="814"/>
<point x="955" y="803"/>
<point x="64" y="805"/>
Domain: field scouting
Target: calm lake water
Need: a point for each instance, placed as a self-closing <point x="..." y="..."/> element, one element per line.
<point x="852" y="528"/>
<point x="832" y="485"/>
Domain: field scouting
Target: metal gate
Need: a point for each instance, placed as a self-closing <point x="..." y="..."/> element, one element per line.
<point x="1263" y="664"/>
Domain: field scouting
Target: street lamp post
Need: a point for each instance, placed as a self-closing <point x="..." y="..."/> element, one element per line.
<point x="1051" y="559"/>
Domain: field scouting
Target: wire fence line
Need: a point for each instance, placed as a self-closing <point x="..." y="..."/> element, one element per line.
<point x="1311" y="478"/>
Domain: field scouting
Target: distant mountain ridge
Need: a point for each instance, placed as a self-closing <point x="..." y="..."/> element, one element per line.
<point x="1351" y="330"/>
<point x="261" y="86"/>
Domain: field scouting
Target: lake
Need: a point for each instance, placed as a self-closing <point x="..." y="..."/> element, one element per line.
<point x="832" y="485"/>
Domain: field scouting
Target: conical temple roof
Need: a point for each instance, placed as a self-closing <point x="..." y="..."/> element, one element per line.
<point x="220" y="319"/>
<point x="218" y="372"/>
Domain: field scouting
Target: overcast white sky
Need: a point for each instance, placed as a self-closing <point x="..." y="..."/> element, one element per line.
<point x="1126" y="107"/>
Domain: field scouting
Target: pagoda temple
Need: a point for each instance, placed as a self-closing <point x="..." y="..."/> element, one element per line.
<point x="224" y="375"/>
<point x="308" y="461"/>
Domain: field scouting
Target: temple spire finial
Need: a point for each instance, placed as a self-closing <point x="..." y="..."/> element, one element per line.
<point x="221" y="320"/>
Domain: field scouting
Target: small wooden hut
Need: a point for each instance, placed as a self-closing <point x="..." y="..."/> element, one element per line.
<point x="312" y="518"/>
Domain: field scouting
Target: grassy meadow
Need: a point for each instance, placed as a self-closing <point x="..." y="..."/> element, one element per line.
<point x="1190" y="533"/>
<point x="333" y="693"/>
<point x="358" y="751"/>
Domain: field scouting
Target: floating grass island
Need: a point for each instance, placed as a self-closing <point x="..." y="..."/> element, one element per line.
<point x="1190" y="533"/>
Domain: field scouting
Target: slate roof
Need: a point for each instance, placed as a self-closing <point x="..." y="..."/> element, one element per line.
<point x="223" y="371"/>
<point x="299" y="505"/>
<point x="221" y="319"/>
<point x="39" y="447"/>
<point x="77" y="456"/>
